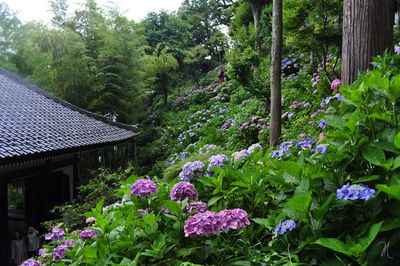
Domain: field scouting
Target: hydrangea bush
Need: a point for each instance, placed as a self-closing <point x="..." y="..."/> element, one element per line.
<point x="329" y="196"/>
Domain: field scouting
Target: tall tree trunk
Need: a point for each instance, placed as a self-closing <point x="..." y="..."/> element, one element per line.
<point x="276" y="58"/>
<point x="256" y="10"/>
<point x="367" y="32"/>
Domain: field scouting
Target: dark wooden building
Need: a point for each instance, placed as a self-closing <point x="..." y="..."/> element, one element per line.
<point x="47" y="146"/>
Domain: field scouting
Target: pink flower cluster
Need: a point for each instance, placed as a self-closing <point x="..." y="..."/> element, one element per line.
<point x="336" y="84"/>
<point x="256" y="122"/>
<point x="143" y="188"/>
<point x="183" y="190"/>
<point x="212" y="223"/>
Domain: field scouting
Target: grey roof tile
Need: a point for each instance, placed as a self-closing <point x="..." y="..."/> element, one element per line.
<point x="34" y="122"/>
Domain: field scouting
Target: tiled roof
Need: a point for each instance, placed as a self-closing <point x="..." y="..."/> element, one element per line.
<point x="33" y="123"/>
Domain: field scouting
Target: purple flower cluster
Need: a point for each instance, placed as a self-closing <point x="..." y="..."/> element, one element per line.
<point x="88" y="234"/>
<point x="237" y="156"/>
<point x="56" y="234"/>
<point x="211" y="223"/>
<point x="234" y="219"/>
<point x="354" y="192"/>
<point x="203" y="224"/>
<point x="397" y="49"/>
<point x="183" y="190"/>
<point x="59" y="252"/>
<point x="69" y="243"/>
<point x="31" y="262"/>
<point x="191" y="171"/>
<point x="216" y="161"/>
<point x="226" y="125"/>
<point x="43" y="252"/>
<point x="255" y="123"/>
<point x="197" y="206"/>
<point x="143" y="188"/>
<point x="284" y="226"/>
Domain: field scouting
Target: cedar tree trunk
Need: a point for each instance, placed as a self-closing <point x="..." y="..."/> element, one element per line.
<point x="276" y="61"/>
<point x="367" y="32"/>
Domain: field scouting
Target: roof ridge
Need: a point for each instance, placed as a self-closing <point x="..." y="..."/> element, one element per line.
<point x="48" y="95"/>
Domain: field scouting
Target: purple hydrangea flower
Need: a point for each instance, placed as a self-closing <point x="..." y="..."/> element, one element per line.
<point x="56" y="234"/>
<point x="234" y="219"/>
<point x="198" y="206"/>
<point x="255" y="147"/>
<point x="31" y="262"/>
<point x="240" y="155"/>
<point x="143" y="188"/>
<point x="203" y="224"/>
<point x="88" y="233"/>
<point x="397" y="49"/>
<point x="284" y="226"/>
<point x="43" y="252"/>
<point x="216" y="161"/>
<point x="191" y="171"/>
<point x="354" y="192"/>
<point x="183" y="190"/>
<point x="59" y="252"/>
<point x="322" y="124"/>
<point x="69" y="243"/>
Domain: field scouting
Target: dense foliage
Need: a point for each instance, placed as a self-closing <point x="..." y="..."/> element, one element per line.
<point x="208" y="190"/>
<point x="327" y="198"/>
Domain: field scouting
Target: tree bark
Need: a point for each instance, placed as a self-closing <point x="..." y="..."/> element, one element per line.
<point x="276" y="61"/>
<point x="367" y="32"/>
<point x="255" y="8"/>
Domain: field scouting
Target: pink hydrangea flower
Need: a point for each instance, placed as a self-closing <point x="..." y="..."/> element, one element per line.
<point x="336" y="84"/>
<point x="203" y="224"/>
<point x="234" y="219"/>
<point x="294" y="105"/>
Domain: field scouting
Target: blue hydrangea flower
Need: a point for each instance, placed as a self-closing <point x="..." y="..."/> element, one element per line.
<point x="216" y="161"/>
<point x="284" y="226"/>
<point x="240" y="155"/>
<point x="321" y="148"/>
<point x="191" y="171"/>
<point x="354" y="192"/>
<point x="305" y="144"/>
<point x="322" y="124"/>
<point x="280" y="153"/>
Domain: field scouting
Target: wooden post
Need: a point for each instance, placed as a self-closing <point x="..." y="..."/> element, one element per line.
<point x="4" y="241"/>
<point x="75" y="174"/>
